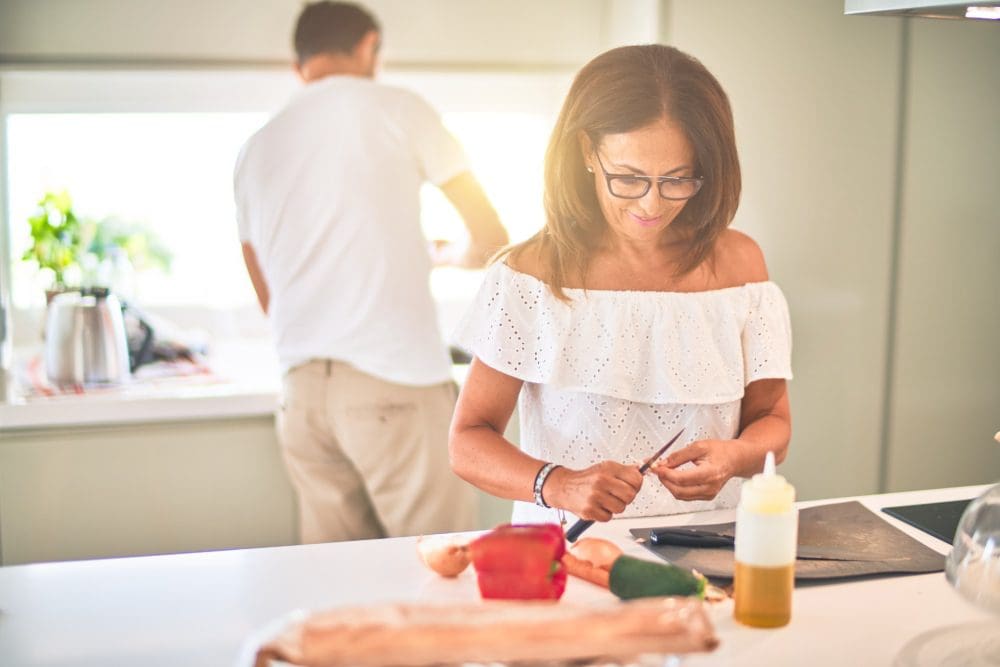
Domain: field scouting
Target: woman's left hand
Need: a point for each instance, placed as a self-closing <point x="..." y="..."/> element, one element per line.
<point x="715" y="463"/>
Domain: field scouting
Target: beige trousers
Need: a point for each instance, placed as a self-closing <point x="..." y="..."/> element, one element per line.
<point x="369" y="458"/>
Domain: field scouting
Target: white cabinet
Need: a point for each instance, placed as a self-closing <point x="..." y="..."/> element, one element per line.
<point x="148" y="488"/>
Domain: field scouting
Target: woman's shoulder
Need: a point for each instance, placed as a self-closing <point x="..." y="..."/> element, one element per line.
<point x="526" y="258"/>
<point x="738" y="259"/>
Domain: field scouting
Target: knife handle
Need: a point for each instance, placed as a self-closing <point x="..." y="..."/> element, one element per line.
<point x="577" y="529"/>
<point x="687" y="537"/>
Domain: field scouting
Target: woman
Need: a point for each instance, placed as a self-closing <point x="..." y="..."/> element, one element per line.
<point x="634" y="313"/>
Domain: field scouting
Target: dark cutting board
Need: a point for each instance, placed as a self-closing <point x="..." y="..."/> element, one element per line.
<point x="937" y="519"/>
<point x="843" y="527"/>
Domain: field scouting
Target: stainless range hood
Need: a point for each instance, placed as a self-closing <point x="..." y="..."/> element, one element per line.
<point x="936" y="9"/>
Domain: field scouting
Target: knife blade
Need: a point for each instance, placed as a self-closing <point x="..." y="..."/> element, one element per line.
<point x="581" y="525"/>
<point x="660" y="452"/>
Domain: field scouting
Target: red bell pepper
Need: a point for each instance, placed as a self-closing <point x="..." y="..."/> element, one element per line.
<point x="520" y="562"/>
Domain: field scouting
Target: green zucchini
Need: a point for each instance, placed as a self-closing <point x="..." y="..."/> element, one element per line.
<point x="638" y="578"/>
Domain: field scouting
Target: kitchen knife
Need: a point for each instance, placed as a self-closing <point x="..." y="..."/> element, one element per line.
<point x="707" y="539"/>
<point x="581" y="525"/>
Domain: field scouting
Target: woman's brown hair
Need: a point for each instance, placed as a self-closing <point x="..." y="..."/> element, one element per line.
<point x="619" y="91"/>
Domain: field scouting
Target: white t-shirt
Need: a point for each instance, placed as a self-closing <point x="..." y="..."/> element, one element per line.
<point x="613" y="375"/>
<point x="328" y="195"/>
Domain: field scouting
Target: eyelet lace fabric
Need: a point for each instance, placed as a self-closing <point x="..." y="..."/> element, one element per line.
<point x="612" y="375"/>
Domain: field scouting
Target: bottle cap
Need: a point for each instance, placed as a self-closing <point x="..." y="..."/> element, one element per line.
<point x="767" y="492"/>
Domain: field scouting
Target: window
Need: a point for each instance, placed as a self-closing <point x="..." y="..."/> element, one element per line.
<point x="172" y="172"/>
<point x="159" y="148"/>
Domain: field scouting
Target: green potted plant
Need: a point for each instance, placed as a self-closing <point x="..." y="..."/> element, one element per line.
<point x="56" y="237"/>
<point x="74" y="249"/>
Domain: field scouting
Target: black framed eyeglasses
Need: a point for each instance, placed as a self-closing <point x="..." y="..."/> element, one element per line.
<point x="633" y="186"/>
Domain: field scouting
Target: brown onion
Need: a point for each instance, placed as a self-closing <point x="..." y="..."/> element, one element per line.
<point x="602" y="553"/>
<point x="446" y="555"/>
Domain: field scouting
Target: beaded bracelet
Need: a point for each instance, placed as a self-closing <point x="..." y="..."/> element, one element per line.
<point x="543" y="474"/>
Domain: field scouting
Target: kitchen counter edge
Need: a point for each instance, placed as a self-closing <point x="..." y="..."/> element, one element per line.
<point x="225" y="401"/>
<point x="186" y="405"/>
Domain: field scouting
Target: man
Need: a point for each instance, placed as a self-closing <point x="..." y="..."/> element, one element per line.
<point x="327" y="198"/>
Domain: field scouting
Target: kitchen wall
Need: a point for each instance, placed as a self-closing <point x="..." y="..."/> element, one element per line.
<point x="441" y="33"/>
<point x="869" y="147"/>
<point x="946" y="361"/>
<point x="811" y="90"/>
<point x="869" y="150"/>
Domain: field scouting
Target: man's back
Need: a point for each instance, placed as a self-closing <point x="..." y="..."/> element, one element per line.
<point x="328" y="194"/>
<point x="328" y="206"/>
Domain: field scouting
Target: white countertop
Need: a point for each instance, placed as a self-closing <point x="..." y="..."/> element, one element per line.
<point x="199" y="609"/>
<point x="139" y="405"/>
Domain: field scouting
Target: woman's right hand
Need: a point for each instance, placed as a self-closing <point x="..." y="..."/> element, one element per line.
<point x="595" y="493"/>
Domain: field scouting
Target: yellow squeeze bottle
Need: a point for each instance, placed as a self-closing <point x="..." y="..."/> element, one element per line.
<point x="767" y="524"/>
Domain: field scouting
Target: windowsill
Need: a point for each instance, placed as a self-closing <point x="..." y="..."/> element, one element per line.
<point x="243" y="382"/>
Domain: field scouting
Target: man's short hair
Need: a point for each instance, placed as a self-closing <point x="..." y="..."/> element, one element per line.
<point x="331" y="27"/>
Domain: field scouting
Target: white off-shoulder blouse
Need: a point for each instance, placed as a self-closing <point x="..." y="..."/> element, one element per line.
<point x="612" y="375"/>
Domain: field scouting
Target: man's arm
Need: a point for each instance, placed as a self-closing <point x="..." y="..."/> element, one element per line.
<point x="486" y="234"/>
<point x="256" y="276"/>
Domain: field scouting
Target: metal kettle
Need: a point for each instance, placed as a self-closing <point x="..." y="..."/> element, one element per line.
<point x="85" y="339"/>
